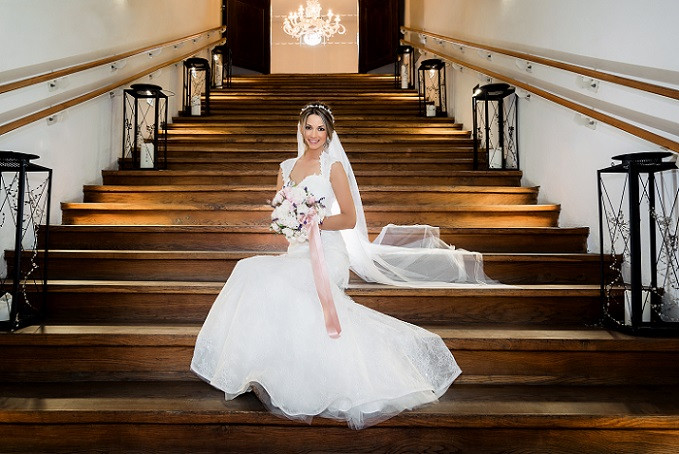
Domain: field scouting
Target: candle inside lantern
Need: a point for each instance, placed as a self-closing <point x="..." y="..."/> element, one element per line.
<point x="146" y="160"/>
<point x="218" y="74"/>
<point x="495" y="158"/>
<point x="5" y="307"/>
<point x="195" y="105"/>
<point x="431" y="109"/>
<point x="645" y="307"/>
<point x="404" y="76"/>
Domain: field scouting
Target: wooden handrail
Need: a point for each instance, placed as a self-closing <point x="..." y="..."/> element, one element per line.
<point x="591" y="113"/>
<point x="93" y="64"/>
<point x="94" y="93"/>
<point x="620" y="80"/>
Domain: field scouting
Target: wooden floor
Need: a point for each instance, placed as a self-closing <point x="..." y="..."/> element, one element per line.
<point x="137" y="264"/>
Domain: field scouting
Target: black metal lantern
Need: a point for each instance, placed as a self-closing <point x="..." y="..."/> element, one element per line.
<point x="25" y="190"/>
<point x="495" y="125"/>
<point x="432" y="88"/>
<point x="196" y="83"/>
<point x="144" y="127"/>
<point x="404" y="67"/>
<point x="221" y="66"/>
<point x="638" y="220"/>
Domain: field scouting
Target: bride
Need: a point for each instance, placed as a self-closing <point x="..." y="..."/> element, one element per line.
<point x="304" y="353"/>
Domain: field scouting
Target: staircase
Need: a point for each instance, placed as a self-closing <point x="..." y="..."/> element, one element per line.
<point x="136" y="266"/>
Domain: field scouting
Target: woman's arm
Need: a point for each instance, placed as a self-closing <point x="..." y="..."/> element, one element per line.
<point x="279" y="183"/>
<point x="346" y="219"/>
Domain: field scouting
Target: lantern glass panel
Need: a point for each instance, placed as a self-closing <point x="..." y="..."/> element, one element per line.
<point x="638" y="227"/>
<point x="217" y="69"/>
<point x="495" y="127"/>
<point x="24" y="225"/>
<point x="404" y="70"/>
<point x="197" y="83"/>
<point x="432" y="88"/>
<point x="144" y="124"/>
<point x="221" y="66"/>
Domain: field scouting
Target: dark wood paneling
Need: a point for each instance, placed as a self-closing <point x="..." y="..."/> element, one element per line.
<point x="378" y="22"/>
<point x="248" y="33"/>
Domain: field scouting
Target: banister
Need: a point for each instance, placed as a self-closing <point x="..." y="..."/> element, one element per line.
<point x="103" y="61"/>
<point x="98" y="92"/>
<point x="591" y="113"/>
<point x="593" y="73"/>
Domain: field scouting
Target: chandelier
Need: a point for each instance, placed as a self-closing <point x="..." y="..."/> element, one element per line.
<point x="310" y="27"/>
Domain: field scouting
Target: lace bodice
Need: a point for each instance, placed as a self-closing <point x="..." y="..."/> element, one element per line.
<point x="318" y="184"/>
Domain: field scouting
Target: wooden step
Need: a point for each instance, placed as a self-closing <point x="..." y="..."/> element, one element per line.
<point x="185" y="147"/>
<point x="204" y="266"/>
<point x="370" y="195"/>
<point x="267" y="132"/>
<point x="240" y="238"/>
<point x="355" y="150"/>
<point x="401" y="178"/>
<point x="292" y="118"/>
<point x="231" y="214"/>
<point x="139" y="302"/>
<point x="288" y="137"/>
<point x="290" y="122"/>
<point x="230" y="164"/>
<point x="486" y="355"/>
<point x="237" y="153"/>
<point x="191" y="416"/>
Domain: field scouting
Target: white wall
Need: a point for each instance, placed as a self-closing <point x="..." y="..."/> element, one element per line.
<point x="56" y="33"/>
<point x="86" y="138"/>
<point x="558" y="152"/>
<point x="41" y="36"/>
<point x="338" y="55"/>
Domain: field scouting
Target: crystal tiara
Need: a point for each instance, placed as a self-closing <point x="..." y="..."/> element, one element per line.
<point x="318" y="106"/>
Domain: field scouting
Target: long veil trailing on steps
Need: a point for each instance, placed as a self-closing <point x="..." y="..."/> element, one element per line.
<point x="406" y="256"/>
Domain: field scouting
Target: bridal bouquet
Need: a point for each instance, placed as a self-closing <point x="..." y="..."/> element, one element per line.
<point x="294" y="211"/>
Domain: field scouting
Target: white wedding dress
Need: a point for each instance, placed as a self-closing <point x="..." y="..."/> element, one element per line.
<point x="266" y="332"/>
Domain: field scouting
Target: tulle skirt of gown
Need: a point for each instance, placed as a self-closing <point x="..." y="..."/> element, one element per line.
<point x="265" y="332"/>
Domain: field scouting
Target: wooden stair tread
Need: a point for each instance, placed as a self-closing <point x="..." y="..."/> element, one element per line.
<point x="457" y="338"/>
<point x="404" y="173"/>
<point x="354" y="288"/>
<point x="236" y="255"/>
<point x="348" y="118"/>
<point x="481" y="406"/>
<point x="112" y="206"/>
<point x="224" y="121"/>
<point x="285" y="131"/>
<point x="260" y="237"/>
<point x="263" y="228"/>
<point x="272" y="188"/>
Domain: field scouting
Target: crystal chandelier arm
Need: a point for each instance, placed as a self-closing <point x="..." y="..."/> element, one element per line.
<point x="309" y="26"/>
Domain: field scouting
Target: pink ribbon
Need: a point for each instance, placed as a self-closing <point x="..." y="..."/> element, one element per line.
<point x="332" y="324"/>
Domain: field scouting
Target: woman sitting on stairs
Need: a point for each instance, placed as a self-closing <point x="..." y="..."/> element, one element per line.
<point x="283" y="327"/>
